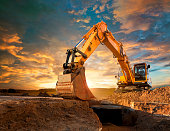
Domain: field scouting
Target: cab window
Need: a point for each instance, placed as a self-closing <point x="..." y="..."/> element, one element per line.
<point x="140" y="72"/>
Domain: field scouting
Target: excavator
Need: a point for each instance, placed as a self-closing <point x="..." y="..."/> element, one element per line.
<point x="72" y="84"/>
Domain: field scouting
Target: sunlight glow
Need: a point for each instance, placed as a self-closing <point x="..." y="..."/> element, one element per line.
<point x="48" y="85"/>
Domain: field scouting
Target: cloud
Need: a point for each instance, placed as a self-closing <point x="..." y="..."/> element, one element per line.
<point x="43" y="76"/>
<point x="7" y="45"/>
<point x="151" y="52"/>
<point x="71" y="11"/>
<point x="11" y="49"/>
<point x="95" y="7"/>
<point x="21" y="69"/>
<point x="5" y="81"/>
<point x="14" y="38"/>
<point x="134" y="14"/>
<point x="14" y="50"/>
<point x="5" y="74"/>
<point x="85" y="20"/>
<point x="101" y="68"/>
<point x="26" y="73"/>
<point x="100" y="7"/>
<point x="97" y="11"/>
<point x="6" y="58"/>
<point x="79" y="12"/>
<point x="106" y="17"/>
<point x="39" y="55"/>
<point x="167" y="65"/>
<point x="95" y="79"/>
<point x="86" y="27"/>
<point x="157" y="69"/>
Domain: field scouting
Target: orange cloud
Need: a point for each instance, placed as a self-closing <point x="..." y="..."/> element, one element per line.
<point x="151" y="47"/>
<point x="128" y="13"/>
<point x="5" y="81"/>
<point x="14" y="38"/>
<point x="43" y="56"/>
<point x="166" y="5"/>
<point x="11" y="48"/>
<point x="23" y="56"/>
<point x="36" y="75"/>
<point x="14" y="50"/>
<point x="129" y="45"/>
<point x="4" y="75"/>
<point x="29" y="73"/>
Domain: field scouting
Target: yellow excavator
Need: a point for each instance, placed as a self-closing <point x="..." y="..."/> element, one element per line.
<point x="72" y="84"/>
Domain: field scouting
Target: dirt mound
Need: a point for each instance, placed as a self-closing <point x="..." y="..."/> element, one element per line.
<point x="155" y="101"/>
<point x="47" y="114"/>
<point x="161" y="95"/>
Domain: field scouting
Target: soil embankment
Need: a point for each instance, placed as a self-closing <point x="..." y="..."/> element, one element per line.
<point x="18" y="113"/>
<point x="155" y="101"/>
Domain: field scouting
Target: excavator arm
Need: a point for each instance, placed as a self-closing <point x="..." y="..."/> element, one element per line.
<point x="96" y="35"/>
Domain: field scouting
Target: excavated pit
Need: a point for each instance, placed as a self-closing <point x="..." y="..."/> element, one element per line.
<point x="115" y="114"/>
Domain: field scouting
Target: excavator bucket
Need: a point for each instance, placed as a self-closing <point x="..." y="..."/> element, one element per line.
<point x="74" y="85"/>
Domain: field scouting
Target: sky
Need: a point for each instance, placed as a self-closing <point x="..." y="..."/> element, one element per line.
<point x="35" y="34"/>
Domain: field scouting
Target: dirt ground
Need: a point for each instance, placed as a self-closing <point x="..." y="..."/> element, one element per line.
<point x="57" y="114"/>
<point x="161" y="95"/>
<point x="17" y="113"/>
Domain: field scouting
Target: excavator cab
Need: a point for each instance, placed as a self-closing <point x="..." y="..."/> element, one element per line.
<point x="141" y="75"/>
<point x="140" y="71"/>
